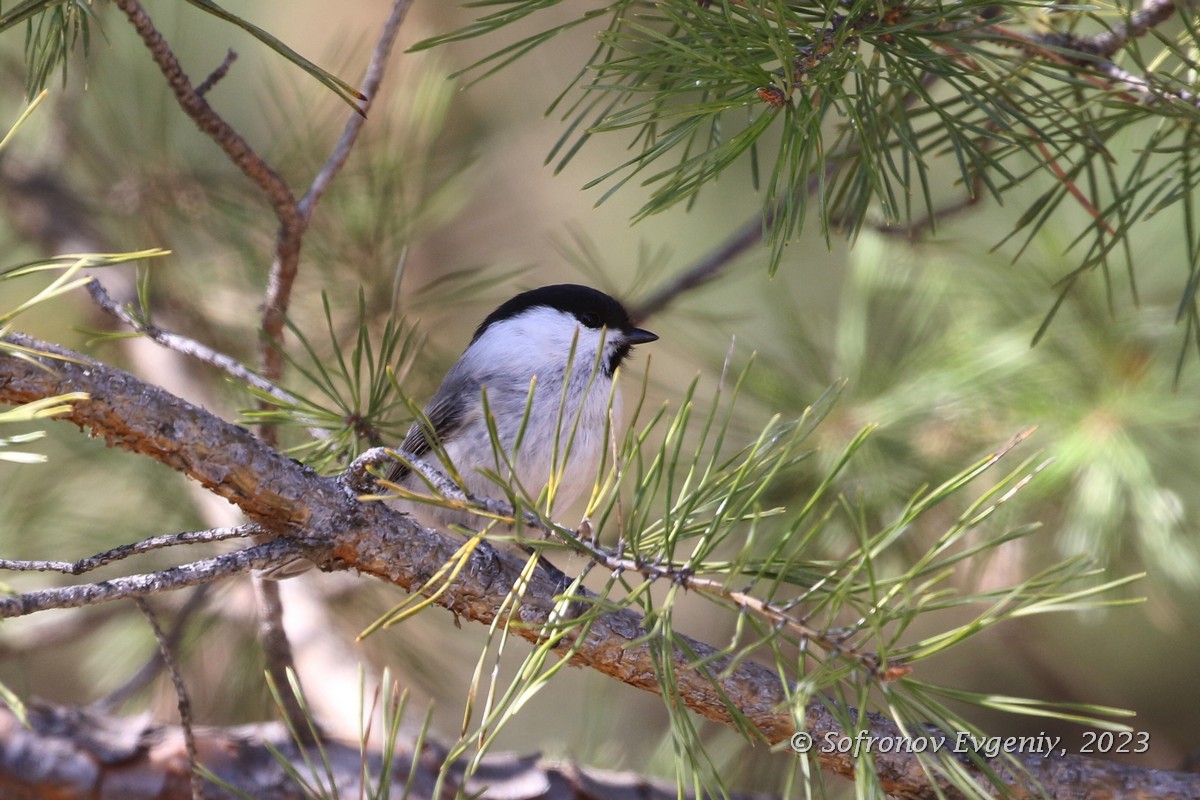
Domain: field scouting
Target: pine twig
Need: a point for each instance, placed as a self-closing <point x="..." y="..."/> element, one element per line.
<point x="217" y="74"/>
<point x="205" y="570"/>
<point x="125" y="551"/>
<point x="185" y="704"/>
<point x="377" y="540"/>
<point x="156" y="662"/>
<point x="190" y="348"/>
<point x="372" y="78"/>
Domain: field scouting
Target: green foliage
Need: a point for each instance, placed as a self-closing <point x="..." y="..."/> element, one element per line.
<point x="357" y="405"/>
<point x="935" y="347"/>
<point x="69" y="267"/>
<point x="55" y="27"/>
<point x="38" y="409"/>
<point x="849" y="110"/>
<point x="52" y="30"/>
<point x="69" y="280"/>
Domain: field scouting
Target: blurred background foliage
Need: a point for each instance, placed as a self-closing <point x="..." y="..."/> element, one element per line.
<point x="445" y="207"/>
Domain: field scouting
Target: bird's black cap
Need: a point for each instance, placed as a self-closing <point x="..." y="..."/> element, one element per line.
<point x="592" y="307"/>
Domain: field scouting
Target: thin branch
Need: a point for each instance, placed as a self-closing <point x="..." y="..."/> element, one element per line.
<point x="217" y="74"/>
<point x="190" y="347"/>
<point x="705" y="270"/>
<point x="168" y="580"/>
<point x="286" y="263"/>
<point x="90" y="563"/>
<point x="148" y="671"/>
<point x="372" y="78"/>
<point x="206" y="118"/>
<point x="185" y="705"/>
<point x="1071" y="187"/>
<point x="711" y="265"/>
<point x="1151" y="14"/>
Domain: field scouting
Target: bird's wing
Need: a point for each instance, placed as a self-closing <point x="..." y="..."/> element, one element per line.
<point x="445" y="412"/>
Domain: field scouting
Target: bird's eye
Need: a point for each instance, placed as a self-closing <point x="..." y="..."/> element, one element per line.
<point x="589" y="319"/>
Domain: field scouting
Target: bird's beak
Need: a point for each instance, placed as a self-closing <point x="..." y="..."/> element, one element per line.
<point x="638" y="336"/>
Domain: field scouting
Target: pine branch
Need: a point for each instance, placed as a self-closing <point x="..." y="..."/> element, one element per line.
<point x="372" y="79"/>
<point x="125" y="551"/>
<point x="184" y="702"/>
<point x="324" y="517"/>
<point x="208" y="120"/>
<point x="206" y="570"/>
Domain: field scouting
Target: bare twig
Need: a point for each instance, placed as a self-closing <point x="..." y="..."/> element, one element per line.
<point x="706" y="269"/>
<point x="168" y="580"/>
<point x="217" y="74"/>
<point x="156" y="662"/>
<point x="1151" y="14"/>
<point x="372" y="78"/>
<point x="185" y="705"/>
<point x="712" y="264"/>
<point x="189" y="347"/>
<point x="206" y="118"/>
<point x="125" y="551"/>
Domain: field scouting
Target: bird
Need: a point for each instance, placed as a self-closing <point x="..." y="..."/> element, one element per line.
<point x="546" y="360"/>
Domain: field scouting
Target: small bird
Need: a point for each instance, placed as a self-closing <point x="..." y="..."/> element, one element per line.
<point x="522" y="355"/>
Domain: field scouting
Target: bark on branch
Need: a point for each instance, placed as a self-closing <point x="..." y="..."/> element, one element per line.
<point x="70" y="754"/>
